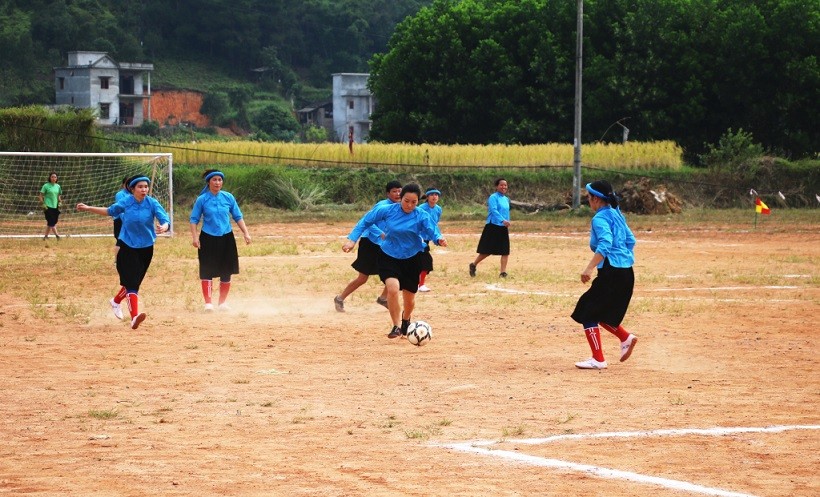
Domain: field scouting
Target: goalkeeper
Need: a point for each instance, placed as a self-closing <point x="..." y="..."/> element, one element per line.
<point x="137" y="238"/>
<point x="51" y="196"/>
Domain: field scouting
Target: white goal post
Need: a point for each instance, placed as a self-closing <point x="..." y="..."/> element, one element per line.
<point x="92" y="179"/>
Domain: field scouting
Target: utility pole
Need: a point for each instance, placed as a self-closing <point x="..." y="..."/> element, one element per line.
<point x="579" y="59"/>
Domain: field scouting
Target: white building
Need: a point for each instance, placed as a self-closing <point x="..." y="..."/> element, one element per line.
<point x="352" y="106"/>
<point x="118" y="91"/>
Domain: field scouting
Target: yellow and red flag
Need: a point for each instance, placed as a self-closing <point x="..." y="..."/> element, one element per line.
<point x="761" y="208"/>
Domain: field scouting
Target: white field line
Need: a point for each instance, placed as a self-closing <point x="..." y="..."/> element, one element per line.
<point x="725" y="288"/>
<point x="496" y="288"/>
<point x="480" y="447"/>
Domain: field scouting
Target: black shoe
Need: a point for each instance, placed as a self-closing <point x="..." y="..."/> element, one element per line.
<point x="339" y="303"/>
<point x="382" y="302"/>
<point x="503" y="275"/>
<point x="395" y="332"/>
<point x="405" y="323"/>
<point x="472" y="270"/>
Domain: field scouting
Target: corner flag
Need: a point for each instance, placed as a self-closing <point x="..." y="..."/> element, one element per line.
<point x="761" y="208"/>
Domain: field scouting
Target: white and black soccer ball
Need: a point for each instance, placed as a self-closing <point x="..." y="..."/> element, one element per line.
<point x="419" y="333"/>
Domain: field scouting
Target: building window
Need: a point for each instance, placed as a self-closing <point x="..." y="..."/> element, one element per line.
<point x="62" y="83"/>
<point x="104" y="82"/>
<point x="105" y="110"/>
<point x="350" y="104"/>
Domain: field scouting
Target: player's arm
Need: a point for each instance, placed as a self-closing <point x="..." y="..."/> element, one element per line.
<point x="101" y="211"/>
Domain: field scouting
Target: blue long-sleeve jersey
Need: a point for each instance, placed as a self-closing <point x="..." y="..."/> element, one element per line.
<point x="372" y="233"/>
<point x="214" y="211"/>
<point x="498" y="209"/>
<point x="611" y="237"/>
<point x="138" y="220"/>
<point x="403" y="231"/>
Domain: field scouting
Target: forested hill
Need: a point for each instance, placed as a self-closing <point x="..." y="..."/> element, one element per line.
<point x="298" y="41"/>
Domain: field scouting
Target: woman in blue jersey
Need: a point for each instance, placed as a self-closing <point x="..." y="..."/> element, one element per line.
<point x="217" y="253"/>
<point x="495" y="239"/>
<point x="606" y="301"/>
<point x="431" y="197"/>
<point x="403" y="232"/>
<point x="367" y="257"/>
<point x="137" y="238"/>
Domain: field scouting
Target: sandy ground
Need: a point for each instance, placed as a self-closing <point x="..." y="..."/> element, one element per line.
<point x="285" y="396"/>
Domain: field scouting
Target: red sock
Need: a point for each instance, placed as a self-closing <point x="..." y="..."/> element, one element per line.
<point x="224" y="288"/>
<point x="133" y="304"/>
<point x="422" y="276"/>
<point x="207" y="288"/>
<point x="120" y="295"/>
<point x="594" y="338"/>
<point x="619" y="332"/>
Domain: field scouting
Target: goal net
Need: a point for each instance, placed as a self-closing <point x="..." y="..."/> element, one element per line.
<point x="92" y="179"/>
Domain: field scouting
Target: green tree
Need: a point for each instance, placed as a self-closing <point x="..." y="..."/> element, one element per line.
<point x="277" y="123"/>
<point x="482" y="71"/>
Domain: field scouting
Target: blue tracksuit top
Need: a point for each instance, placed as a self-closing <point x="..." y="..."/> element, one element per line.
<point x="403" y="231"/>
<point x="612" y="238"/>
<point x="373" y="233"/>
<point x="138" y="220"/>
<point x="214" y="211"/>
<point x="121" y="194"/>
<point x="498" y="209"/>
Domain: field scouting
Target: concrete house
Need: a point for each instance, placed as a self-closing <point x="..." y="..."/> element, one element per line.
<point x="352" y="106"/>
<point x="120" y="92"/>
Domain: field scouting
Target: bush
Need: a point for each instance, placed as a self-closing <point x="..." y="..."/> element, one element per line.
<point x="276" y="123"/>
<point x="735" y="153"/>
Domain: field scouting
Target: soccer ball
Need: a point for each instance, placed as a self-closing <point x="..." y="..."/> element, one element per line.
<point x="419" y="333"/>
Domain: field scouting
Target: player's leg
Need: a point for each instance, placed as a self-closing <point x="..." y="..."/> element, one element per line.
<point x="409" y="300"/>
<point x="224" y="288"/>
<point x="393" y="305"/>
<point x="504" y="259"/>
<point x="207" y="293"/>
<point x="628" y="340"/>
<point x="593" y="334"/>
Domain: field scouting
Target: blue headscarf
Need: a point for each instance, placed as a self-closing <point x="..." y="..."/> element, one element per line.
<point x="136" y="180"/>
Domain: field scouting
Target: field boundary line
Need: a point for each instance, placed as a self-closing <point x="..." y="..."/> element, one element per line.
<point x="481" y="447"/>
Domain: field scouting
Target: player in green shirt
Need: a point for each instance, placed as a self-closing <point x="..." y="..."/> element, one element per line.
<point x="51" y="195"/>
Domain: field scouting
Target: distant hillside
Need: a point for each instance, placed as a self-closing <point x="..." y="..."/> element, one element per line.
<point x="288" y="47"/>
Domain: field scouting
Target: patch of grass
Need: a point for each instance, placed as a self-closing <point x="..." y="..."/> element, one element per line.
<point x="513" y="431"/>
<point x="102" y="414"/>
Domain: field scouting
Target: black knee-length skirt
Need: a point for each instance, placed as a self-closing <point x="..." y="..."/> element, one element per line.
<point x="495" y="240"/>
<point x="217" y="256"/>
<point x="607" y="299"/>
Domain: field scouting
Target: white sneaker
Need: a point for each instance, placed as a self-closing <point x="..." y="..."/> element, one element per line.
<point x="423" y="288"/>
<point x="627" y="346"/>
<point x="209" y="307"/>
<point x="590" y="363"/>
<point x="224" y="307"/>
<point x="135" y="322"/>
<point x="117" y="308"/>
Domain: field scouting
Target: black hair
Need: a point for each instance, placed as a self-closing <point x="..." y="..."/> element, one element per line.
<point x="605" y="188"/>
<point x="209" y="171"/>
<point x="499" y="180"/>
<point x="129" y="180"/>
<point x="411" y="188"/>
<point x="125" y="181"/>
<point x="391" y="185"/>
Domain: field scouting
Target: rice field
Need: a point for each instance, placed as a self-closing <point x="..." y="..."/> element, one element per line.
<point x="630" y="155"/>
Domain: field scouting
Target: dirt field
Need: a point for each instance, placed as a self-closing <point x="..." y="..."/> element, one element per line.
<point x="285" y="396"/>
